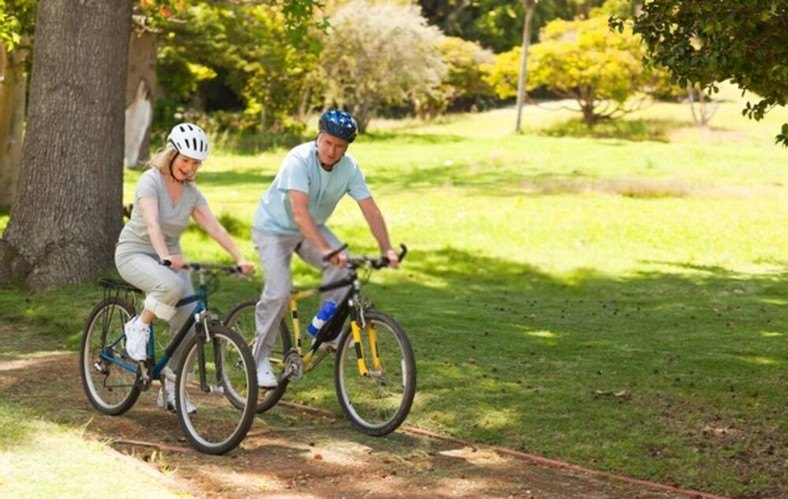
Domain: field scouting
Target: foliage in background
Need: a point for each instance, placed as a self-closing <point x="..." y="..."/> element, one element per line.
<point x="376" y="54"/>
<point x="241" y="53"/>
<point x="17" y="21"/>
<point x="708" y="42"/>
<point x="580" y="60"/>
<point x="498" y="24"/>
<point x="464" y="86"/>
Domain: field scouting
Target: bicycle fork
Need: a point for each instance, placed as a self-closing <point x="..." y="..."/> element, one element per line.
<point x="373" y="349"/>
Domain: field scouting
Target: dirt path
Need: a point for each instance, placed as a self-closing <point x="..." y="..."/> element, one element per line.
<point x="290" y="451"/>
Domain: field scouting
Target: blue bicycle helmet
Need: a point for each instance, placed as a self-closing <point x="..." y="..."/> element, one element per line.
<point x="338" y="123"/>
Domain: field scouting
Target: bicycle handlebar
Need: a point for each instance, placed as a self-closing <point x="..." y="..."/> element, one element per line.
<point x="203" y="267"/>
<point x="376" y="263"/>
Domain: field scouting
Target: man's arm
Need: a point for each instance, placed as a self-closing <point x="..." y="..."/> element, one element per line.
<point x="378" y="227"/>
<point x="299" y="203"/>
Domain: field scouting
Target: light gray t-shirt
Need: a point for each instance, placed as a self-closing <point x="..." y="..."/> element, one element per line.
<point x="173" y="219"/>
<point x="301" y="171"/>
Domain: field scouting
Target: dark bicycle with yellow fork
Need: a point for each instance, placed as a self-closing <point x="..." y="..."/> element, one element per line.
<point x="374" y="366"/>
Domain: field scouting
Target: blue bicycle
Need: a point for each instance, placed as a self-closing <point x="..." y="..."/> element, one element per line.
<point x="216" y="380"/>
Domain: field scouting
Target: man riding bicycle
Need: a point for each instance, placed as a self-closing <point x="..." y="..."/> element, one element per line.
<point x="291" y="218"/>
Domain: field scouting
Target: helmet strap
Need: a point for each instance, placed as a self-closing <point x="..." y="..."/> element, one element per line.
<point x="171" y="163"/>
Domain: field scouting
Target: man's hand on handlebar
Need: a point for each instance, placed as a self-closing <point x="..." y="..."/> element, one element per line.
<point x="393" y="258"/>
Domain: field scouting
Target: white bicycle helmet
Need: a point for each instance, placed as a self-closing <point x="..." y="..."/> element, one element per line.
<point x="189" y="140"/>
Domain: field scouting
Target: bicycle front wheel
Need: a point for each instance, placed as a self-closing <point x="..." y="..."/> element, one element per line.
<point x="210" y="370"/>
<point x="110" y="387"/>
<point x="241" y="320"/>
<point x="378" y="401"/>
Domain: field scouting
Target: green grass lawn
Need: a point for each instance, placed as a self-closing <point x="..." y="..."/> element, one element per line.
<point x="618" y="304"/>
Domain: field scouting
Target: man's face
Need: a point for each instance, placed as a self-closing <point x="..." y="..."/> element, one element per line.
<point x="330" y="149"/>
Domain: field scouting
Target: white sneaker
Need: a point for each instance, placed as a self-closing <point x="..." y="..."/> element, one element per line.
<point x="137" y="335"/>
<point x="265" y="375"/>
<point x="170" y="389"/>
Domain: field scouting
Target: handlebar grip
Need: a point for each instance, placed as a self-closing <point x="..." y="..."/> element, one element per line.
<point x="404" y="252"/>
<point x="384" y="260"/>
<point x="166" y="263"/>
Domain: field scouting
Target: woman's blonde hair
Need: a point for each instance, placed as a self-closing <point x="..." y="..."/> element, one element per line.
<point x="163" y="159"/>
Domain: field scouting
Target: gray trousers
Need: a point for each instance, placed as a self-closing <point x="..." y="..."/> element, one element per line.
<point x="276" y="255"/>
<point x="163" y="287"/>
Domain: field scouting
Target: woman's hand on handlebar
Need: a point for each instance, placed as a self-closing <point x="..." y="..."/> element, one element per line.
<point x="176" y="262"/>
<point x="247" y="268"/>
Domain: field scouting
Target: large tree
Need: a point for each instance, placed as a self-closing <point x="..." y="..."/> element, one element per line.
<point x="67" y="212"/>
<point x="707" y="42"/>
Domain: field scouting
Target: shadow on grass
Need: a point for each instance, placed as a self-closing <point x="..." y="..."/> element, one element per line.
<point x="630" y="130"/>
<point x="602" y="371"/>
<point x="605" y="371"/>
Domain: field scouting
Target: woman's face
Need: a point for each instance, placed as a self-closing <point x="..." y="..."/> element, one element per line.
<point x="185" y="168"/>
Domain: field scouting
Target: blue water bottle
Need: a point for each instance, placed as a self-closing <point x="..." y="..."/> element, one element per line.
<point x="325" y="313"/>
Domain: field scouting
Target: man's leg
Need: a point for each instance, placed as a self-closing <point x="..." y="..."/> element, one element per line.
<point x="331" y="273"/>
<point x="276" y="254"/>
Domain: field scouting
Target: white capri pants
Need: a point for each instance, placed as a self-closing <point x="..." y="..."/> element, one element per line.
<point x="163" y="287"/>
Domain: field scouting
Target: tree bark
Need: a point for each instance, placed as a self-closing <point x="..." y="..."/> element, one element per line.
<point x="529" y="6"/>
<point x="141" y="91"/>
<point x="68" y="208"/>
<point x="12" y="120"/>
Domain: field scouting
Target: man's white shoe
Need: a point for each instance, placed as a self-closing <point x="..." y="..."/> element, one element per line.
<point x="265" y="375"/>
<point x="170" y="389"/>
<point x="137" y="335"/>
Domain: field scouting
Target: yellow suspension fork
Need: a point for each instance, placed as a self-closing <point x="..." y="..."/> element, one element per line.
<point x="356" y="332"/>
<point x="373" y="349"/>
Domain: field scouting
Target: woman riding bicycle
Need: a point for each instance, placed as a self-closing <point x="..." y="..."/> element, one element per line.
<point x="165" y="198"/>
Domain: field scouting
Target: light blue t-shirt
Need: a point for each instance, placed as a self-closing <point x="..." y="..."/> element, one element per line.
<point x="301" y="171"/>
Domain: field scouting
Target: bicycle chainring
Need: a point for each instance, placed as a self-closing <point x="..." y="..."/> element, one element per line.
<point x="143" y="376"/>
<point x="294" y="367"/>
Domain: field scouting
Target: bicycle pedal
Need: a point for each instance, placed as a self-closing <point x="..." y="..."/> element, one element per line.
<point x="144" y="376"/>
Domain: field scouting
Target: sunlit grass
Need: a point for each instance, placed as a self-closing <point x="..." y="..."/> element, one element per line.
<point x="609" y="302"/>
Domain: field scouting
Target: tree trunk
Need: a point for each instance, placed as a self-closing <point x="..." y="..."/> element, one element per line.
<point x="529" y="6"/>
<point x="12" y="120"/>
<point x="68" y="208"/>
<point x="141" y="90"/>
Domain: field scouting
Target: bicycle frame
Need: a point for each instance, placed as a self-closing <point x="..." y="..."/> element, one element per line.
<point x="349" y="306"/>
<point x="195" y="317"/>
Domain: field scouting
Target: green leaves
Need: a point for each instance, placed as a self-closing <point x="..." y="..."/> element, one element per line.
<point x="746" y="42"/>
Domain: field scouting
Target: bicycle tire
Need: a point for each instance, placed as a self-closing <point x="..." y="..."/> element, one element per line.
<point x="111" y="388"/>
<point x="241" y="320"/>
<point x="217" y="426"/>
<point x="376" y="404"/>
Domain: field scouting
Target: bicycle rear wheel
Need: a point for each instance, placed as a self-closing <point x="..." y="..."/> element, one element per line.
<point x="241" y="320"/>
<point x="378" y="403"/>
<point x="209" y="371"/>
<point x="110" y="387"/>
